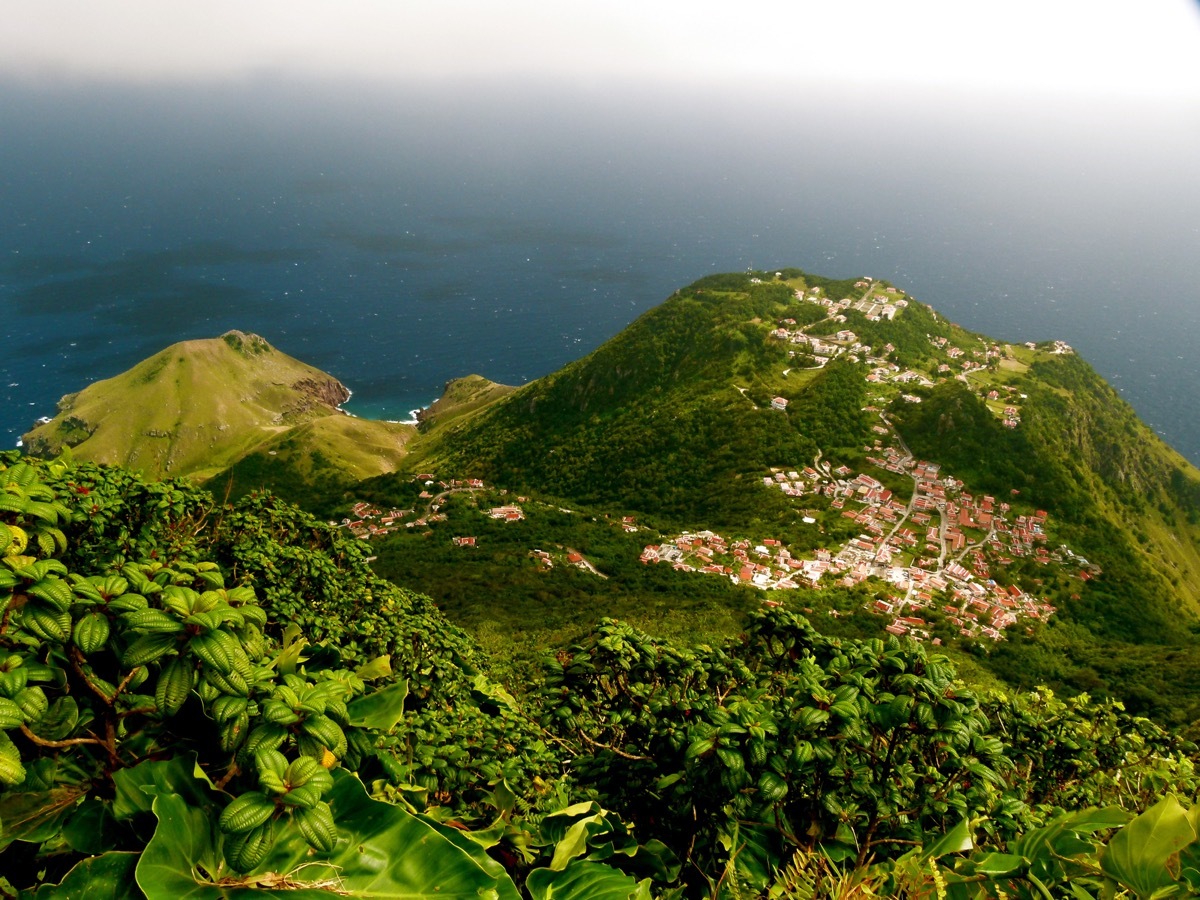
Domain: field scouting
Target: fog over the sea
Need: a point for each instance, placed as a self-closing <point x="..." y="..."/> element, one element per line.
<point x="403" y="195"/>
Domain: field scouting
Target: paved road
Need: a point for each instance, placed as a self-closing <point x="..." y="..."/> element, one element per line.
<point x="437" y="498"/>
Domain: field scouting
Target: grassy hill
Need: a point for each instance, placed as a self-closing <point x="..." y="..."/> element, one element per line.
<point x="316" y="462"/>
<point x="198" y="407"/>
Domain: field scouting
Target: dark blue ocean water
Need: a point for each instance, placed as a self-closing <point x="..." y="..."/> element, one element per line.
<point x="398" y="238"/>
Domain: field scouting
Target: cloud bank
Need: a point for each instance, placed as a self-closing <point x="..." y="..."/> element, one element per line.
<point x="1104" y="47"/>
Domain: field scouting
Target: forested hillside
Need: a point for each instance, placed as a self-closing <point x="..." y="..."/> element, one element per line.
<point x="678" y="418"/>
<point x="208" y="700"/>
<point x="673" y="416"/>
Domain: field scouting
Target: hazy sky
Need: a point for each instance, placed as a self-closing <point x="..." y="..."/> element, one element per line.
<point x="1112" y="47"/>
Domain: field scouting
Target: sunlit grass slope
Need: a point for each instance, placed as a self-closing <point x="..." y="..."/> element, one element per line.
<point x="191" y="409"/>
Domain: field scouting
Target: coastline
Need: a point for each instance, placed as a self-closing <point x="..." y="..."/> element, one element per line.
<point x="383" y="412"/>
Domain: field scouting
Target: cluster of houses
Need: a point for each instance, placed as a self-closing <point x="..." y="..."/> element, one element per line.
<point x="1061" y="348"/>
<point x="886" y="305"/>
<point x="822" y="350"/>
<point x="963" y="367"/>
<point x="884" y="371"/>
<point x="1012" y="415"/>
<point x="875" y="306"/>
<point x="766" y="564"/>
<point x="936" y="550"/>
<point x="510" y="513"/>
<point x="367" y="521"/>
<point x="872" y="305"/>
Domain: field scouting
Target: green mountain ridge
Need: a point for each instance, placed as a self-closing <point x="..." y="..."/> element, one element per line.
<point x="740" y="378"/>
<point x="674" y="416"/>
<point x="673" y="419"/>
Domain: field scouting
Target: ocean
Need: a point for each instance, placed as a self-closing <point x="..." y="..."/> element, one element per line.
<point x="401" y="237"/>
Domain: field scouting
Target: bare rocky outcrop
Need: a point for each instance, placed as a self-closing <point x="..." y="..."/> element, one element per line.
<point x="318" y="396"/>
<point x="329" y="391"/>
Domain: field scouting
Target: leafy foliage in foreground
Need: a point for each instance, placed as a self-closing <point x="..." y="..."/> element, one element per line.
<point x="157" y="721"/>
<point x="205" y="701"/>
<point x="788" y="742"/>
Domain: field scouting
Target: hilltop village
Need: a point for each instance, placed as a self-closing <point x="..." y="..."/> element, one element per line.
<point x="880" y="302"/>
<point x="933" y="550"/>
<point x="941" y="542"/>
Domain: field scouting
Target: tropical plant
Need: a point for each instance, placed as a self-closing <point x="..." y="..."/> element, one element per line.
<point x="156" y="730"/>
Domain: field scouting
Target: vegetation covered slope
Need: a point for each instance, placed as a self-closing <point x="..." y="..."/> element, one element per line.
<point x="673" y="420"/>
<point x="737" y="378"/>
<point x="206" y="700"/>
<point x="672" y="416"/>
<point x="199" y="406"/>
<point x="315" y="462"/>
<point x="1125" y="498"/>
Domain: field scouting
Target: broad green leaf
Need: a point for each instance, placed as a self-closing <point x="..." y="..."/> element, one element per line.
<point x="699" y="747"/>
<point x="503" y="798"/>
<point x="54" y="591"/>
<point x="653" y="858"/>
<point x="184" y="849"/>
<point x="293" y="646"/>
<point x="555" y="825"/>
<point x="387" y="852"/>
<point x="575" y="842"/>
<point x="469" y="843"/>
<point x="488" y="690"/>
<point x="291" y="634"/>
<point x="379" y="667"/>
<point x="97" y="878"/>
<point x="380" y="710"/>
<point x="586" y="881"/>
<point x="956" y="840"/>
<point x="1089" y="821"/>
<point x="1137" y="855"/>
<point x="137" y="787"/>
<point x="998" y="864"/>
<point x="1044" y="847"/>
<point x="91" y="828"/>
<point x="183" y="843"/>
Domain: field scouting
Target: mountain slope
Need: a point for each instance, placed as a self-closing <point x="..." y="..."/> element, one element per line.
<point x="671" y="415"/>
<point x="1129" y="499"/>
<point x="677" y="419"/>
<point x="191" y="409"/>
<point x="926" y="472"/>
